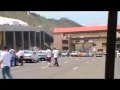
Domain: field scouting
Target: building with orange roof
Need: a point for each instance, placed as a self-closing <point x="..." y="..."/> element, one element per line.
<point x="75" y="38"/>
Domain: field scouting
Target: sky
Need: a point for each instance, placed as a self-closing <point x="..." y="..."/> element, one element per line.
<point x="86" y="18"/>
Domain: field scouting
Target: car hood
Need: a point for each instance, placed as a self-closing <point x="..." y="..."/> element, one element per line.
<point x="27" y="54"/>
<point x="73" y="53"/>
<point x="40" y="54"/>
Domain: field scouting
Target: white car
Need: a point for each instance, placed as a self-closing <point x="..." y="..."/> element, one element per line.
<point x="75" y="53"/>
<point x="30" y="56"/>
<point x="63" y="54"/>
<point x="41" y="55"/>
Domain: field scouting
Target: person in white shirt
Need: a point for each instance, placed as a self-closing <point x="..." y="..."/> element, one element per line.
<point x="5" y="62"/>
<point x="55" y="55"/>
<point x="12" y="52"/>
<point x="48" y="56"/>
<point x="20" y="56"/>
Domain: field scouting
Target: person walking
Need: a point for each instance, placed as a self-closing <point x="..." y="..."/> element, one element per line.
<point x="5" y="63"/>
<point x="55" y="55"/>
<point x="48" y="56"/>
<point x="20" y="56"/>
<point x="94" y="53"/>
<point x="12" y="52"/>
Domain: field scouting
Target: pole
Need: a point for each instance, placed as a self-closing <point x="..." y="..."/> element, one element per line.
<point x="111" y="40"/>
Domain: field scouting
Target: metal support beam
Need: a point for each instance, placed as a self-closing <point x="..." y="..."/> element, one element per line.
<point x="111" y="40"/>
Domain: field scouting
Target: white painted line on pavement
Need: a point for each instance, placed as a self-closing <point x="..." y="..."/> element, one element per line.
<point x="45" y="67"/>
<point x="66" y="61"/>
<point x="86" y="62"/>
<point x="42" y="62"/>
<point x="75" y="68"/>
<point x="93" y="59"/>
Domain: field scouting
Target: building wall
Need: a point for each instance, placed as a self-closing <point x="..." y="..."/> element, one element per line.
<point x="97" y="37"/>
<point x="57" y="41"/>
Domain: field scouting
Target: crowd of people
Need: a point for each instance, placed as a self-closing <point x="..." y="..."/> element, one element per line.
<point x="9" y="58"/>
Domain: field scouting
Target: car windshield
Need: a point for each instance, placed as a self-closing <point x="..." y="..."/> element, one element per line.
<point x="40" y="52"/>
<point x="27" y="52"/>
<point x="74" y="51"/>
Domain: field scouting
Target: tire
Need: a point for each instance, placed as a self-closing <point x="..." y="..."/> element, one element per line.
<point x="32" y="61"/>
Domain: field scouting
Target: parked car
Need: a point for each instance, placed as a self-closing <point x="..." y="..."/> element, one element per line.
<point x="75" y="53"/>
<point x="30" y="56"/>
<point x="83" y="54"/>
<point x="90" y="54"/>
<point x="64" y="54"/>
<point x="117" y="53"/>
<point x="41" y="55"/>
<point x="99" y="54"/>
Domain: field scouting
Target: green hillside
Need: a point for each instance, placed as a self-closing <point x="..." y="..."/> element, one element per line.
<point x="37" y="20"/>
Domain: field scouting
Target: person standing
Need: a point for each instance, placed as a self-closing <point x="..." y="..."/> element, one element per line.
<point x="48" y="56"/>
<point x="55" y="55"/>
<point x="5" y="63"/>
<point x="20" y="56"/>
<point x="12" y="52"/>
<point x="94" y="53"/>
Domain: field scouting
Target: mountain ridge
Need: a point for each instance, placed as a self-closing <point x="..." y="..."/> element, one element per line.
<point x="34" y="19"/>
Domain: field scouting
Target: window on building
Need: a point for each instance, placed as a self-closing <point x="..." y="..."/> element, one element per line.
<point x="64" y="41"/>
<point x="94" y="44"/>
<point x="100" y="50"/>
<point x="118" y="45"/>
<point x="104" y="44"/>
<point x="63" y="35"/>
<point x="65" y="48"/>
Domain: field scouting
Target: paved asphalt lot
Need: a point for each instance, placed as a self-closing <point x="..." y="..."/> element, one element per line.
<point x="70" y="68"/>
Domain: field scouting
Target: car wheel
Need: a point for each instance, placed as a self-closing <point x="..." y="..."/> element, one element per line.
<point x="37" y="61"/>
<point x="32" y="61"/>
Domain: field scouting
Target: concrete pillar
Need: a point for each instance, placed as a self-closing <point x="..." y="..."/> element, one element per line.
<point x="34" y="38"/>
<point x="29" y="39"/>
<point x="4" y="38"/>
<point x="22" y="36"/>
<point x="40" y="40"/>
<point x="14" y="40"/>
<point x="43" y="40"/>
